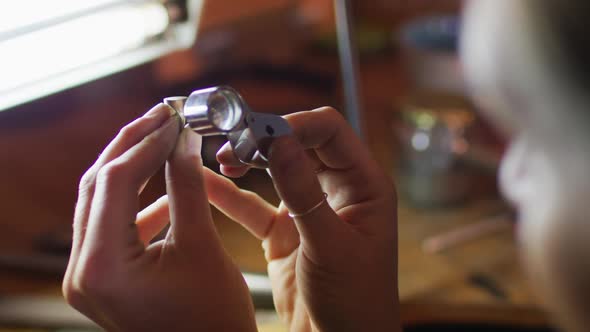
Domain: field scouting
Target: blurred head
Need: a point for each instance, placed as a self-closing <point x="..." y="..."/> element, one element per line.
<point x="527" y="64"/>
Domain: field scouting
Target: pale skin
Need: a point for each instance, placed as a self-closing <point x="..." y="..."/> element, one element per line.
<point x="119" y="280"/>
<point x="324" y="267"/>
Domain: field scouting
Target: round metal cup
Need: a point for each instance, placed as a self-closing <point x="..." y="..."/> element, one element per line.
<point x="214" y="111"/>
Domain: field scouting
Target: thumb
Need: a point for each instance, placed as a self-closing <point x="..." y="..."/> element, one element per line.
<point x="298" y="187"/>
<point x="190" y="214"/>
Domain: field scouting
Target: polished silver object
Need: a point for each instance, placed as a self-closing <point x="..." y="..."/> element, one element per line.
<point x="310" y="210"/>
<point x="222" y="111"/>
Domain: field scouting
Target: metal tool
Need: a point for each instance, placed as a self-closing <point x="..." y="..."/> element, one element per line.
<point x="222" y="111"/>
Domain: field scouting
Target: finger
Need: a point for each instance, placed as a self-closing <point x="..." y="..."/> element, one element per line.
<point x="81" y="302"/>
<point x="226" y="156"/>
<point x="231" y="166"/>
<point x="190" y="214"/>
<point x="245" y="207"/>
<point x="317" y="164"/>
<point x="282" y="238"/>
<point x="347" y="171"/>
<point x="260" y="218"/>
<point x="334" y="141"/>
<point x="127" y="137"/>
<point x="136" y="131"/>
<point x="324" y="130"/>
<point x="233" y="172"/>
<point x="152" y="220"/>
<point x="300" y="190"/>
<point x="115" y="204"/>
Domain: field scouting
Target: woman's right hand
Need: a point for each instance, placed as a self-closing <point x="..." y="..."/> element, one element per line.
<point x="121" y="279"/>
<point x="335" y="268"/>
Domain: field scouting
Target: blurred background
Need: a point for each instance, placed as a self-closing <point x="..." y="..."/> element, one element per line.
<point x="72" y="73"/>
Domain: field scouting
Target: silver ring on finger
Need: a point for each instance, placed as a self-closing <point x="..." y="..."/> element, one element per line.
<point x="312" y="209"/>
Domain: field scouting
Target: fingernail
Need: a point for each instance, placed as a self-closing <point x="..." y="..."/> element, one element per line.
<point x="224" y="154"/>
<point x="172" y="118"/>
<point x="171" y="110"/>
<point x="171" y="121"/>
<point x="161" y="108"/>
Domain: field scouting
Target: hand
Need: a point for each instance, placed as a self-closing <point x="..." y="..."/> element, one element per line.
<point x="124" y="283"/>
<point x="334" y="269"/>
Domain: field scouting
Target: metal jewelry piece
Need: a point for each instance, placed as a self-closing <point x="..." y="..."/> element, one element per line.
<point x="315" y="207"/>
<point x="222" y="111"/>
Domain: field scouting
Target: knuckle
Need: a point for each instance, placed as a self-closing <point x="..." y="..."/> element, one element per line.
<point x="331" y="114"/>
<point x="248" y="195"/>
<point x="73" y="295"/>
<point x="112" y="173"/>
<point x="92" y="280"/>
<point x="87" y="181"/>
<point x="154" y="141"/>
<point x="130" y="132"/>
